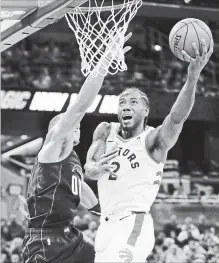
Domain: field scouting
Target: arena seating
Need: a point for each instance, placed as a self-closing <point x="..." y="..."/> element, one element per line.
<point x="56" y="66"/>
<point x="177" y="243"/>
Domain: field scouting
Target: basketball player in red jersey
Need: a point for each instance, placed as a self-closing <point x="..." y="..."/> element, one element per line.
<point x="56" y="185"/>
<point x="127" y="191"/>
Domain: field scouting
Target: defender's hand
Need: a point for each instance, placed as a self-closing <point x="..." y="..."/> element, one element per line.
<point x="114" y="45"/>
<point x="197" y="64"/>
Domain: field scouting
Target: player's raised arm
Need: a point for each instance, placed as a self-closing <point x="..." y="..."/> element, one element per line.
<point x="59" y="134"/>
<point x="166" y="135"/>
<point x="97" y="160"/>
<point x="59" y="140"/>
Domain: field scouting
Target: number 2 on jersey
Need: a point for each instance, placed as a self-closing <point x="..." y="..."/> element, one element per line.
<point x="117" y="167"/>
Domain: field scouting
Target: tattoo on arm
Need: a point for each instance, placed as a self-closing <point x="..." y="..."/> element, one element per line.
<point x="98" y="146"/>
<point x="100" y="150"/>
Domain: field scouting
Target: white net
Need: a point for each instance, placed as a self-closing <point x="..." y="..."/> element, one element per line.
<point x="95" y="28"/>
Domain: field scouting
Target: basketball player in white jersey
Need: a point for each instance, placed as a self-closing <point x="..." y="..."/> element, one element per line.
<point x="127" y="191"/>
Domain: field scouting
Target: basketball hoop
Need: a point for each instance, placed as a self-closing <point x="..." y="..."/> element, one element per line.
<point x="97" y="25"/>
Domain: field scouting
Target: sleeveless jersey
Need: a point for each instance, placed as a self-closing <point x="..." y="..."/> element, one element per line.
<point x="138" y="176"/>
<point x="54" y="192"/>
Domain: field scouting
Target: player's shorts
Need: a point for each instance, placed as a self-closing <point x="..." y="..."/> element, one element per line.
<point x="126" y="239"/>
<point x="56" y="245"/>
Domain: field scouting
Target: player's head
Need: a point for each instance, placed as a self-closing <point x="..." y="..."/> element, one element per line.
<point x="133" y="108"/>
<point x="76" y="131"/>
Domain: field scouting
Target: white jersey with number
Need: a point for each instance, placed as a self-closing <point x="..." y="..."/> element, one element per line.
<point x="138" y="176"/>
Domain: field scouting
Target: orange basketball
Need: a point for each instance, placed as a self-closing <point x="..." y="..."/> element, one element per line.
<point x="186" y="32"/>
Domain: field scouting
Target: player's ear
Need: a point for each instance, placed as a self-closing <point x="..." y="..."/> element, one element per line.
<point x="146" y="111"/>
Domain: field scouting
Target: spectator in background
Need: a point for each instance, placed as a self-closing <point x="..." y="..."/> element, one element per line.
<point x="3" y="222"/>
<point x="209" y="239"/>
<point x="90" y="233"/>
<point x="150" y="70"/>
<point x="16" y="246"/>
<point x="54" y="52"/>
<point x="35" y="53"/>
<point x="15" y="228"/>
<point x="189" y="230"/>
<point x="160" y="238"/>
<point x="174" y="254"/>
<point x="15" y="258"/>
<point x="202" y="223"/>
<point x="77" y="222"/>
<point x="5" y="256"/>
<point x="6" y="233"/>
<point x="87" y="218"/>
<point x="27" y="77"/>
<point x="60" y="81"/>
<point x="180" y="192"/>
<point x="44" y="80"/>
<point x="194" y="251"/>
<point x="172" y="226"/>
<point x="20" y="53"/>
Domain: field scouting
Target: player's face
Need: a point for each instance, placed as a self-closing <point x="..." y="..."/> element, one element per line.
<point x="132" y="110"/>
<point x="77" y="134"/>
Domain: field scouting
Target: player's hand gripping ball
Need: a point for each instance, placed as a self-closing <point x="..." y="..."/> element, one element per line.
<point x="185" y="34"/>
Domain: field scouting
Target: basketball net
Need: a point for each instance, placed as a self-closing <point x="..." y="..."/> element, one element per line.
<point x="96" y="28"/>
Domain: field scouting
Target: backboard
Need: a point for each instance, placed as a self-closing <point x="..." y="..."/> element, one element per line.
<point x="21" y="18"/>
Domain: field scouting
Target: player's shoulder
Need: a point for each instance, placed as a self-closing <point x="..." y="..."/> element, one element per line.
<point x="149" y="130"/>
<point x="150" y="134"/>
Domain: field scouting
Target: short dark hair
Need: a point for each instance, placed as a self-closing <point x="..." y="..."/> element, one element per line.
<point x="143" y="95"/>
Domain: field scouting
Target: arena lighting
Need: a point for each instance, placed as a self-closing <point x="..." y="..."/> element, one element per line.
<point x="14" y="189"/>
<point x="109" y="104"/>
<point x="157" y="48"/>
<point x="9" y="143"/>
<point x="94" y="105"/>
<point x="47" y="101"/>
<point x="53" y="101"/>
<point x="24" y="137"/>
<point x="14" y="100"/>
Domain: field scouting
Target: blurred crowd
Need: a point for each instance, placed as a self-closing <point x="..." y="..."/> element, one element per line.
<point x="56" y="66"/>
<point x="189" y="242"/>
<point x="12" y="234"/>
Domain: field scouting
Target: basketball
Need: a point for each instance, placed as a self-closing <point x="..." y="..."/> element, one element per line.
<point x="186" y="32"/>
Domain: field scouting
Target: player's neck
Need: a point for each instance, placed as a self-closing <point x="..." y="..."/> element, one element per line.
<point x="127" y="134"/>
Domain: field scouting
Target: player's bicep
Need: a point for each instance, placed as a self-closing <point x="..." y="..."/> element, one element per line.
<point x="54" y="149"/>
<point x="168" y="133"/>
<point x="96" y="150"/>
<point x="88" y="198"/>
<point x="98" y="145"/>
